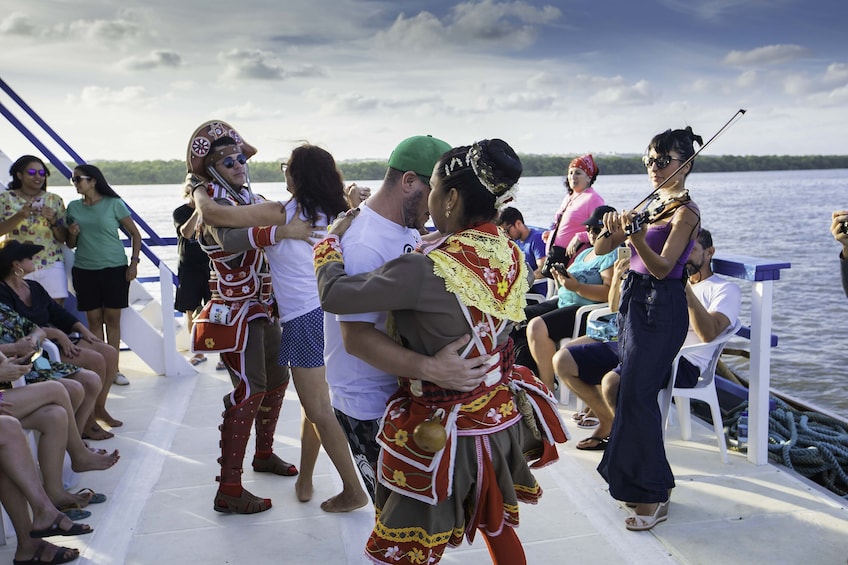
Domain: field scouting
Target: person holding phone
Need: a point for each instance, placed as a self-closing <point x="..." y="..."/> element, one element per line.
<point x="839" y="229"/>
<point x="586" y="281"/>
<point x="653" y="322"/>
<point x="31" y="214"/>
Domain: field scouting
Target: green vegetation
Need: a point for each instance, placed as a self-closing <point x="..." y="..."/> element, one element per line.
<point x="173" y="172"/>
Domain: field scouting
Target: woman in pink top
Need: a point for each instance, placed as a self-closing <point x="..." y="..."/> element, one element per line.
<point x="577" y="205"/>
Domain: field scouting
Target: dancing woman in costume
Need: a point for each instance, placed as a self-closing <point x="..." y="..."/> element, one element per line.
<point x="452" y="462"/>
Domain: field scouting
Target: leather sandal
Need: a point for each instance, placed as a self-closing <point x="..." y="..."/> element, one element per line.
<point x="274" y="465"/>
<point x="247" y="503"/>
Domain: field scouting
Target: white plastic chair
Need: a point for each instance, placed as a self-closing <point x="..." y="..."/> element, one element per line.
<point x="705" y="390"/>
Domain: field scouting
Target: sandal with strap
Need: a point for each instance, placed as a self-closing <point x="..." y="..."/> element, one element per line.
<point x="639" y="523"/>
<point x="62" y="555"/>
<point x="247" y="503"/>
<point x="55" y="530"/>
<point x="274" y="465"/>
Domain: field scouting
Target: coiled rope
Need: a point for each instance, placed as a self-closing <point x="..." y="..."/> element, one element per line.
<point x="812" y="444"/>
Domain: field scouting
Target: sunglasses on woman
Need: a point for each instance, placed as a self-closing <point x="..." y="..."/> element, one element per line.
<point x="662" y="161"/>
<point x="39" y="172"/>
<point x="229" y="162"/>
<point x="79" y="178"/>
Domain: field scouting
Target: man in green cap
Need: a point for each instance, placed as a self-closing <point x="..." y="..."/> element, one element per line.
<point x="361" y="361"/>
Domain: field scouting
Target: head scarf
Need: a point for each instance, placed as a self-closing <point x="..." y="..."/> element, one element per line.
<point x="587" y="163"/>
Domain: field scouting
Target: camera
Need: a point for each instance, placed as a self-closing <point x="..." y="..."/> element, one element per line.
<point x="844" y="227"/>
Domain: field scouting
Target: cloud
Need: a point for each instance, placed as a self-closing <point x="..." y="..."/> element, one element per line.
<point x="614" y="91"/>
<point x="97" y="97"/>
<point x="767" y="55"/>
<point x="19" y="24"/>
<point x="487" y="23"/>
<point x="711" y="10"/>
<point x="261" y="65"/>
<point x="155" y="59"/>
<point x="245" y="112"/>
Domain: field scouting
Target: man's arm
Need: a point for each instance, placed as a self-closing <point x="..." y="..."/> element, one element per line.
<point x="707" y="325"/>
<point x="445" y="369"/>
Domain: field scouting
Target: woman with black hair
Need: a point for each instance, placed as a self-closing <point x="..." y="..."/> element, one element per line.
<point x="30" y="214"/>
<point x="453" y="461"/>
<point x="653" y="320"/>
<point x="101" y="276"/>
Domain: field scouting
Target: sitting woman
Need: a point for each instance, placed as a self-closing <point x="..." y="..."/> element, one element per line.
<point x="586" y="281"/>
<point x="29" y="299"/>
<point x="20" y="491"/>
<point x="46" y="407"/>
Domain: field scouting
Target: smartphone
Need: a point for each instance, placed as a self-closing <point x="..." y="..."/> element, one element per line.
<point x="560" y="268"/>
<point x="624" y="252"/>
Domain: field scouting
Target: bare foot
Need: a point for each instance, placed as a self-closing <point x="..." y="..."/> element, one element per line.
<point x="94" y="461"/>
<point x="97" y="433"/>
<point x="107" y="419"/>
<point x="303" y="490"/>
<point x="345" y="502"/>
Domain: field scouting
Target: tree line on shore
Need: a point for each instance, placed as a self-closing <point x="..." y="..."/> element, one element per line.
<point x="173" y="171"/>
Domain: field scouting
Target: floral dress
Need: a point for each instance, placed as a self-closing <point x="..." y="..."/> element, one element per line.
<point x="13" y="327"/>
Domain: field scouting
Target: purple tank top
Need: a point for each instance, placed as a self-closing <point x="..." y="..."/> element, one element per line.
<point x="656" y="237"/>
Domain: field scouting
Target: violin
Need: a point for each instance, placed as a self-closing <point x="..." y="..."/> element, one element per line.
<point x="655" y="208"/>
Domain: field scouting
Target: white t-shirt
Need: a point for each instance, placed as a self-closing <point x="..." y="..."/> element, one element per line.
<point x="292" y="273"/>
<point x="356" y="388"/>
<point x="717" y="295"/>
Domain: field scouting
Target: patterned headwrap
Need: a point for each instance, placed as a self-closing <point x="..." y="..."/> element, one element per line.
<point x="587" y="163"/>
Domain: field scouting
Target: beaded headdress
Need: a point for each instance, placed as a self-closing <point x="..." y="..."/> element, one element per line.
<point x="476" y="160"/>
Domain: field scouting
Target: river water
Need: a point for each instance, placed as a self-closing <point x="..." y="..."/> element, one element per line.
<point x="780" y="215"/>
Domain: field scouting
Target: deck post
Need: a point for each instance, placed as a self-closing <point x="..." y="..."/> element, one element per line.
<point x="760" y="376"/>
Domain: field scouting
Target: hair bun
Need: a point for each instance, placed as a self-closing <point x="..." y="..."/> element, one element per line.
<point x="496" y="165"/>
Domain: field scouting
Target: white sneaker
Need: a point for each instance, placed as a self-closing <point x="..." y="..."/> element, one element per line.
<point x="121" y="380"/>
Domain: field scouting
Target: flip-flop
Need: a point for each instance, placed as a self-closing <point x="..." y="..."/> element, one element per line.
<point x="55" y="530"/>
<point x="74" y="512"/>
<point x="588" y="422"/>
<point x="96" y="497"/>
<point x="578" y="416"/>
<point x="600" y="445"/>
<point x="197" y="360"/>
<point x="62" y="555"/>
<point x="220" y="366"/>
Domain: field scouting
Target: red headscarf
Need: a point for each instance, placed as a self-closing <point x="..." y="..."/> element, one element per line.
<point x="587" y="163"/>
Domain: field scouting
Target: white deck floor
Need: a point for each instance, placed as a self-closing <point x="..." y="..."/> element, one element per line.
<point x="160" y="499"/>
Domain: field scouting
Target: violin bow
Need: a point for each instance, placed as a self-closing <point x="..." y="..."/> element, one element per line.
<point x="739" y="113"/>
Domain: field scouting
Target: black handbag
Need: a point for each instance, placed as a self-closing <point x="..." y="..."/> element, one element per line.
<point x="556" y="254"/>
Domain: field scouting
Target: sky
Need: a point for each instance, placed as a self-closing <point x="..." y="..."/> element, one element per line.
<point x="132" y="80"/>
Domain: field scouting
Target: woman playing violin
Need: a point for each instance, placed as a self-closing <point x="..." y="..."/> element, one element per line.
<point x="653" y="321"/>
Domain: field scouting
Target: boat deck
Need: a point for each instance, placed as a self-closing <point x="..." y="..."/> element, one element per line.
<point x="160" y="499"/>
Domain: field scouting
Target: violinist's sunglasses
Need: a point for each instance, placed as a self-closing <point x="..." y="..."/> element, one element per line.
<point x="229" y="162"/>
<point x="662" y="161"/>
<point x="39" y="172"/>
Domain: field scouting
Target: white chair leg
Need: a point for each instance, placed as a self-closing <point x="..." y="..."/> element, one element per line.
<point x="719" y="428"/>
<point x="683" y="414"/>
<point x="3" y="519"/>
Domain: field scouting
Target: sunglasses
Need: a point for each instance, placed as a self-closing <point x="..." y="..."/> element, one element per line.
<point x="229" y="162"/>
<point x="662" y="161"/>
<point x="79" y="178"/>
<point x="39" y="172"/>
<point x="283" y="167"/>
<point x="593" y="229"/>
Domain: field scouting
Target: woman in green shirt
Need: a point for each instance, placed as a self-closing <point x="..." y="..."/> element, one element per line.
<point x="101" y="276"/>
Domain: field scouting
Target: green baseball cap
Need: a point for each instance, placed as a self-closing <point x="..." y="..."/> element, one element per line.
<point x="418" y="154"/>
